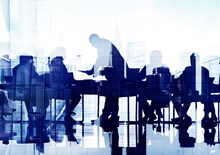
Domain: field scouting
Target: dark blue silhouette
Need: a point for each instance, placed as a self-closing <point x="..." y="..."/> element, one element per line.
<point x="67" y="128"/>
<point x="70" y="131"/>
<point x="185" y="139"/>
<point x="193" y="86"/>
<point x="155" y="79"/>
<point x="112" y="66"/>
<point x="209" y="135"/>
<point x="25" y="79"/>
<point x="61" y="85"/>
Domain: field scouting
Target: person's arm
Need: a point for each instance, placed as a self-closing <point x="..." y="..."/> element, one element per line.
<point x="88" y="72"/>
<point x="94" y="69"/>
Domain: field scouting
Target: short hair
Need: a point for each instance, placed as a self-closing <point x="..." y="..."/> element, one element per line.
<point x="58" y="58"/>
<point x="56" y="61"/>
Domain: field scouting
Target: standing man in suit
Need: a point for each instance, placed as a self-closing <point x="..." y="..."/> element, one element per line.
<point x="112" y="65"/>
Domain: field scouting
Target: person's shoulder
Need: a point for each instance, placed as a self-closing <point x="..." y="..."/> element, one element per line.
<point x="19" y="67"/>
<point x="188" y="68"/>
<point x="15" y="68"/>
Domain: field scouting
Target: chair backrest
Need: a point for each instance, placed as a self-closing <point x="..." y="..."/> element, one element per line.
<point x="165" y="77"/>
<point x="132" y="74"/>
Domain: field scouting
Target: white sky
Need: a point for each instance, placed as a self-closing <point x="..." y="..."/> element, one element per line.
<point x="171" y="26"/>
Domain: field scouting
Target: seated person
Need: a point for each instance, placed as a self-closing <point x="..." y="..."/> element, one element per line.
<point x="58" y="79"/>
<point x="194" y="82"/>
<point x="157" y="90"/>
<point x="157" y="78"/>
<point x="25" y="79"/>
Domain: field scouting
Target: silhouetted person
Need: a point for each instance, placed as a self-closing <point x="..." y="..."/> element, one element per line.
<point x="111" y="64"/>
<point x="158" y="78"/>
<point x="193" y="82"/>
<point x="25" y="80"/>
<point x="59" y="79"/>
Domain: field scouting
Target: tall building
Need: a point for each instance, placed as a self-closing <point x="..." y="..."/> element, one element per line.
<point x="212" y="63"/>
<point x="136" y="54"/>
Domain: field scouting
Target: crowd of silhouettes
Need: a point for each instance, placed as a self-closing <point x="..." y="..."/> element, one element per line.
<point x="154" y="82"/>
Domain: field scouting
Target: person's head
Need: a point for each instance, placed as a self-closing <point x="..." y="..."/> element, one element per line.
<point x="93" y="39"/>
<point x="155" y="57"/>
<point x="56" y="63"/>
<point x="25" y="59"/>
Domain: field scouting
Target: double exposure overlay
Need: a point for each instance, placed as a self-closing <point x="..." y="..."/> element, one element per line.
<point x="117" y="77"/>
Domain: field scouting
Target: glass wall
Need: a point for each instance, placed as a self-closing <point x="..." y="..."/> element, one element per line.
<point x="173" y="29"/>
